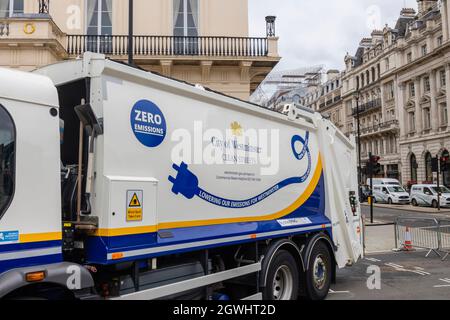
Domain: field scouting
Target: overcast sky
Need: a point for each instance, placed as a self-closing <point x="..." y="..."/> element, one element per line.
<point x="321" y="32"/>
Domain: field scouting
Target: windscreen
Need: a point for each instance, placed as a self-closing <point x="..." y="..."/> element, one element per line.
<point x="396" y="189"/>
<point x="7" y="159"/>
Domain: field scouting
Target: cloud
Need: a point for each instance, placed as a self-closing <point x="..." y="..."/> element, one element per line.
<point x="321" y="32"/>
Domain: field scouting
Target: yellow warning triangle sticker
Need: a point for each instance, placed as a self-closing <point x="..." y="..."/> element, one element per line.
<point x="134" y="203"/>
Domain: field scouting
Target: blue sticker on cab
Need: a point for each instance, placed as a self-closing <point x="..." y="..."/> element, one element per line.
<point x="148" y="123"/>
<point x="9" y="236"/>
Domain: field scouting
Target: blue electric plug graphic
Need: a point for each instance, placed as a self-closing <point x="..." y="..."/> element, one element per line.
<point x="185" y="183"/>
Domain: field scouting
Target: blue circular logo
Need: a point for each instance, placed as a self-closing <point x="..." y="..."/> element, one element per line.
<point x="148" y="123"/>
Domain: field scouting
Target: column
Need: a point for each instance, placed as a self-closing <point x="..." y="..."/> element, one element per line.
<point x="383" y="107"/>
<point x="445" y="22"/>
<point x="166" y="67"/>
<point x="434" y="106"/>
<point x="430" y="44"/>
<point x="418" y="110"/>
<point x="400" y="106"/>
<point x="447" y="89"/>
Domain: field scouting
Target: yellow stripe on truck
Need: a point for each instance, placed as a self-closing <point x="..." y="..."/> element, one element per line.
<point x="40" y="237"/>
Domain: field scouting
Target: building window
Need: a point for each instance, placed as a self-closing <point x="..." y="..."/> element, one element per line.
<point x="387" y="64"/>
<point x="99" y="25"/>
<point x="426" y="118"/>
<point x="412" y="90"/>
<point x="428" y="168"/>
<point x="185" y="24"/>
<point x="409" y="57"/>
<point x="413" y="166"/>
<point x="412" y="122"/>
<point x="424" y="50"/>
<point x="426" y="84"/>
<point x="444" y="115"/>
<point x="439" y="41"/>
<point x="7" y="159"/>
<point x="443" y="78"/>
<point x="390" y="91"/>
<point x="10" y="7"/>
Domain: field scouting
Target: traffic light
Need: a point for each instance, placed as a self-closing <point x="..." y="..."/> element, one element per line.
<point x="445" y="164"/>
<point x="375" y="164"/>
<point x="435" y="164"/>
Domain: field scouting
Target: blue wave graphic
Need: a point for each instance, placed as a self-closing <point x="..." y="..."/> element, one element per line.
<point x="187" y="183"/>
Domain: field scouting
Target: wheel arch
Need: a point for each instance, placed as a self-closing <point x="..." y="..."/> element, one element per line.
<point x="313" y="241"/>
<point x="56" y="276"/>
<point x="272" y="249"/>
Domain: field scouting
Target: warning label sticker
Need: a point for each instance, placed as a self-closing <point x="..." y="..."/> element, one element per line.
<point x="134" y="205"/>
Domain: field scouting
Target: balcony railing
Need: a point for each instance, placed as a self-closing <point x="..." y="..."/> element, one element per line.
<point x="374" y="104"/>
<point x="168" y="45"/>
<point x="392" y="124"/>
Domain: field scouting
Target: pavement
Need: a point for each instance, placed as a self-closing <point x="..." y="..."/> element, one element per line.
<point x="380" y="238"/>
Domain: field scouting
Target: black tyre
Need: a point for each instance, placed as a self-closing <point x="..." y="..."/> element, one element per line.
<point x="414" y="202"/>
<point x="434" y="204"/>
<point x="319" y="273"/>
<point x="282" y="277"/>
<point x="389" y="201"/>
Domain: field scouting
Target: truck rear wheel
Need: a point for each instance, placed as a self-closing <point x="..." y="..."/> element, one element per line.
<point x="282" y="277"/>
<point x="318" y="275"/>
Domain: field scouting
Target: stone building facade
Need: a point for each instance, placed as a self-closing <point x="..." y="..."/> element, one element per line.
<point x="400" y="78"/>
<point x="327" y="99"/>
<point x="198" y="41"/>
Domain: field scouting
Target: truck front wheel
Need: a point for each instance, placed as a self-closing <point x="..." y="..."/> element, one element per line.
<point x="282" y="278"/>
<point x="318" y="275"/>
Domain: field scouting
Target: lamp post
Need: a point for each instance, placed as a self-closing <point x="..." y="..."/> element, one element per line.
<point x="356" y="96"/>
<point x="130" y="32"/>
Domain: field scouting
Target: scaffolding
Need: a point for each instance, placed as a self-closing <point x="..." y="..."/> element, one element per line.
<point x="286" y="86"/>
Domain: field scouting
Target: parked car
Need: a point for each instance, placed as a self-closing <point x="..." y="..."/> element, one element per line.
<point x="391" y="194"/>
<point x="427" y="195"/>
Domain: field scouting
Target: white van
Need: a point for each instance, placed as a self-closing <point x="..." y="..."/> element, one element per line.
<point x="384" y="181"/>
<point x="391" y="194"/>
<point x="427" y="195"/>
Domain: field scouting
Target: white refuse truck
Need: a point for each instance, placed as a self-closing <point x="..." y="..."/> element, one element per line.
<point x="117" y="183"/>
